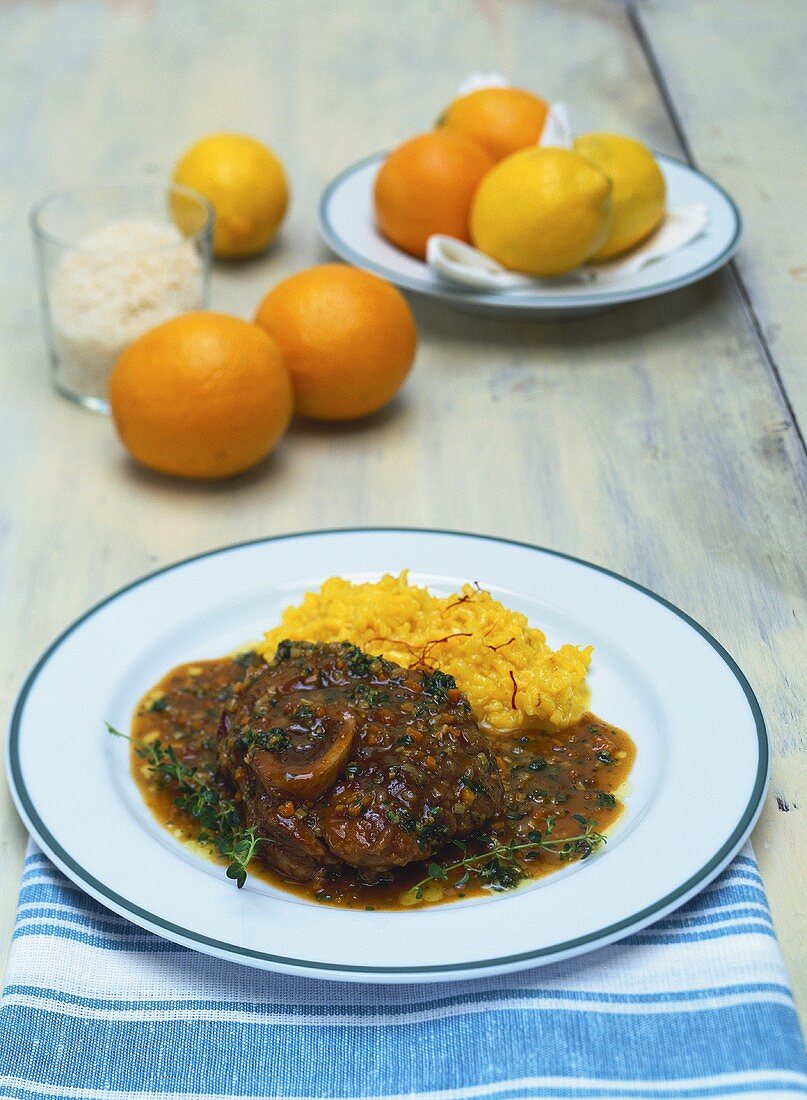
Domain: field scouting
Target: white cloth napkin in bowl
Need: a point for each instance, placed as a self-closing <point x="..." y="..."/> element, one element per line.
<point x="460" y="263"/>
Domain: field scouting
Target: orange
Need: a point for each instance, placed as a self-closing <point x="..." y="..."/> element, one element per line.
<point x="348" y="339"/>
<point x="202" y="395"/>
<point x="426" y="186"/>
<point x="502" y="120"/>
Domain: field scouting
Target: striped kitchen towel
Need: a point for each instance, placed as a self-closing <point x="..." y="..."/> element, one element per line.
<point x="696" y="1006"/>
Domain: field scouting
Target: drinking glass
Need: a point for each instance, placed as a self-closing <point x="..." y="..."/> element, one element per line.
<point x="113" y="261"/>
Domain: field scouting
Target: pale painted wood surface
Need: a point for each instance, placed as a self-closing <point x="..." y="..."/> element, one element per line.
<point x="739" y="82"/>
<point x="652" y="439"/>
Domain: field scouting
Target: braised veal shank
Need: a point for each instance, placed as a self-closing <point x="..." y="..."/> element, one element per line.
<point x="340" y="758"/>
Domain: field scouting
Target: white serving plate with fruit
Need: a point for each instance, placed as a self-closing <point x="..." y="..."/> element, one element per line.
<point x="347" y="225"/>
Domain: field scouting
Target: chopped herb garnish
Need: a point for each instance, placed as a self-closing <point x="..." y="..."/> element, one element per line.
<point x="159" y="705"/>
<point x="244" y="660"/>
<point x="358" y="663"/>
<point x="283" y="651"/>
<point x="437" y="684"/>
<point x="430" y="832"/>
<point x="375" y="696"/>
<point x="408" y="823"/>
<point x="273" y="740"/>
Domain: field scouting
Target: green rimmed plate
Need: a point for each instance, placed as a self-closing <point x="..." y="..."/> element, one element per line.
<point x="655" y="672"/>
<point x="347" y="225"/>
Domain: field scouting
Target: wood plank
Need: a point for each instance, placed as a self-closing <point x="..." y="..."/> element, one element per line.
<point x="650" y="439"/>
<point x="735" y="71"/>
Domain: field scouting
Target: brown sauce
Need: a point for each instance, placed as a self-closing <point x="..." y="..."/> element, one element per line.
<point x="549" y="777"/>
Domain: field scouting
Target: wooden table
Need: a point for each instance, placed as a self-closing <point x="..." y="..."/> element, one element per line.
<point x="661" y="440"/>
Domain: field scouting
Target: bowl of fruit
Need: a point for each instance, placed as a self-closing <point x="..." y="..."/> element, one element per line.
<point x="501" y="208"/>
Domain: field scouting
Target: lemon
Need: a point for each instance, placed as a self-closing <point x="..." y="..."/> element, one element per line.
<point x="541" y="211"/>
<point x="639" y="192"/>
<point x="246" y="184"/>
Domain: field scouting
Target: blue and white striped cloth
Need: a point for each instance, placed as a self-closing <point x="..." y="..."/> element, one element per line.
<point x="697" y="1006"/>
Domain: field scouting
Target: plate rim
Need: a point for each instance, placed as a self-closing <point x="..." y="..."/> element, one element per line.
<point x="355" y="972"/>
<point x="523" y="304"/>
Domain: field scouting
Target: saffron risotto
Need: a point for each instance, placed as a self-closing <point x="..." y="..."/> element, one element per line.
<point x="509" y="673"/>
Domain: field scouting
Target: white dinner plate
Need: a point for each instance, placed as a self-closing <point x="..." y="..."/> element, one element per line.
<point x="347" y="224"/>
<point x="694" y="793"/>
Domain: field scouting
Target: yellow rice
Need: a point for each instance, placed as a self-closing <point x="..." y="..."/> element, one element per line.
<point x="488" y="649"/>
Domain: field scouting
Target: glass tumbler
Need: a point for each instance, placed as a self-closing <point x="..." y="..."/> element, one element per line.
<point x="113" y="261"/>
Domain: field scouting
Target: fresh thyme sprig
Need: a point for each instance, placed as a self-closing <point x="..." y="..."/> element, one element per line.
<point x="217" y="816"/>
<point x="500" y="866"/>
